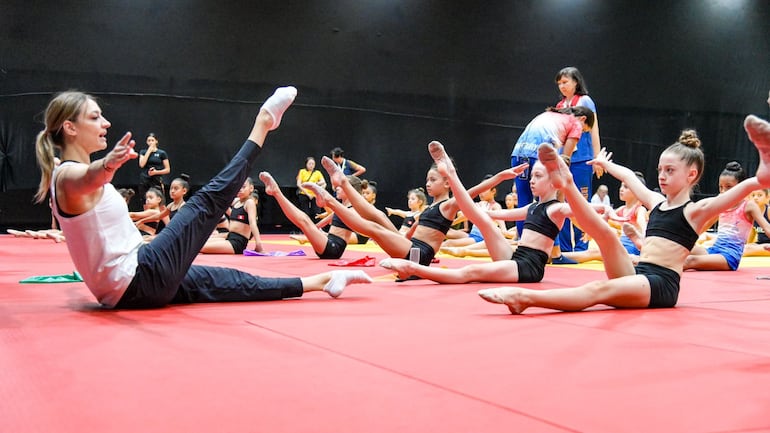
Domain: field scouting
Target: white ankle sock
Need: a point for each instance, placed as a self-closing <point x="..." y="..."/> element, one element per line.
<point x="340" y="279"/>
<point x="279" y="102"/>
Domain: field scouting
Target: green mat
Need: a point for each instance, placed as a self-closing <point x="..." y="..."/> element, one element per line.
<point x="48" y="279"/>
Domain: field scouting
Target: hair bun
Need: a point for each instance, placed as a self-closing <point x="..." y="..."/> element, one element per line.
<point x="689" y="138"/>
<point x="733" y="166"/>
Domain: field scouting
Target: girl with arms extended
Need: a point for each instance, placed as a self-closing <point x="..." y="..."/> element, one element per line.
<point x="525" y="264"/>
<point x="426" y="235"/>
<point x="733" y="229"/>
<point x="672" y="229"/>
<point x="329" y="245"/>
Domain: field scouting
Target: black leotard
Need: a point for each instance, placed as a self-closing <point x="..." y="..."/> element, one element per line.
<point x="239" y="214"/>
<point x="433" y="218"/>
<point x="337" y="222"/>
<point x="672" y="225"/>
<point x="538" y="220"/>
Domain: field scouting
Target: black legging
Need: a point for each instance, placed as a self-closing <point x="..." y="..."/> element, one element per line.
<point x="165" y="273"/>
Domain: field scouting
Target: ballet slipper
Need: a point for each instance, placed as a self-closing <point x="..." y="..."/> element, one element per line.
<point x="271" y="187"/>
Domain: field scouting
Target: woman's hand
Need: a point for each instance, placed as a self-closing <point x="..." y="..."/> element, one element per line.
<point x="122" y="152"/>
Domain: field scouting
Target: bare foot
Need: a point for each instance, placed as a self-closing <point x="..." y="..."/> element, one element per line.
<point x="271" y="188"/>
<point x="633" y="234"/>
<point x="401" y="266"/>
<point x="555" y="166"/>
<point x="321" y="195"/>
<point x="335" y="172"/>
<point x="759" y="133"/>
<point x="513" y="297"/>
<point x="302" y="239"/>
<point x="278" y="103"/>
<point x="440" y="157"/>
<point x="453" y="251"/>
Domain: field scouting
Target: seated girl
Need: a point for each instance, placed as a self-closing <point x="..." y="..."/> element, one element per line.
<point x="417" y="202"/>
<point x="329" y="245"/>
<point x="733" y="230"/>
<point x="242" y="225"/>
<point x="152" y="201"/>
<point x="426" y="235"/>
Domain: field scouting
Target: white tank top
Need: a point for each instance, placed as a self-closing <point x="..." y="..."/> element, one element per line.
<point x="102" y="242"/>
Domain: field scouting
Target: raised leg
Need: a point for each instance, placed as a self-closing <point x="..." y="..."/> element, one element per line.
<point x="172" y="252"/>
<point x="498" y="246"/>
<point x="393" y="242"/>
<point x="363" y="207"/>
<point x="313" y="234"/>
<point x="632" y="233"/>
<point x="616" y="260"/>
<point x="759" y="133"/>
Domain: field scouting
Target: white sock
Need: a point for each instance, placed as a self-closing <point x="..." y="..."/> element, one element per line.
<point x="277" y="104"/>
<point x="340" y="279"/>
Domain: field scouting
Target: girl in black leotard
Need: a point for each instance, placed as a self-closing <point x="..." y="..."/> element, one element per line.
<point x="146" y="221"/>
<point x="525" y="264"/>
<point x="329" y="245"/>
<point x="672" y="229"/>
<point x="417" y="202"/>
<point x="243" y="225"/>
<point x="178" y="191"/>
<point x="364" y="218"/>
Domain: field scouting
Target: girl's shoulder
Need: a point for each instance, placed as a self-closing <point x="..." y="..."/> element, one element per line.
<point x="750" y="207"/>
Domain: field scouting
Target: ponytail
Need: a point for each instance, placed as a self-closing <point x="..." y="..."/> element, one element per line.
<point x="64" y="106"/>
<point x="44" y="149"/>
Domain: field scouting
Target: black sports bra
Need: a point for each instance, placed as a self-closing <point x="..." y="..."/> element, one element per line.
<point x="432" y="218"/>
<point x="337" y="222"/>
<point x="672" y="225"/>
<point x="408" y="221"/>
<point x="239" y="214"/>
<point x="538" y="220"/>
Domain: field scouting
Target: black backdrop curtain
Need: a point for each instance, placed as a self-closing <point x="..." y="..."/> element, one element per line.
<point x="380" y="79"/>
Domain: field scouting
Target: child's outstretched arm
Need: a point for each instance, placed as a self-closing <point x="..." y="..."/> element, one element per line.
<point x="496" y="179"/>
<point x="648" y="197"/>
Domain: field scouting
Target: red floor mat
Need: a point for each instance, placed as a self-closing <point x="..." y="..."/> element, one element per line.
<point x="386" y="357"/>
